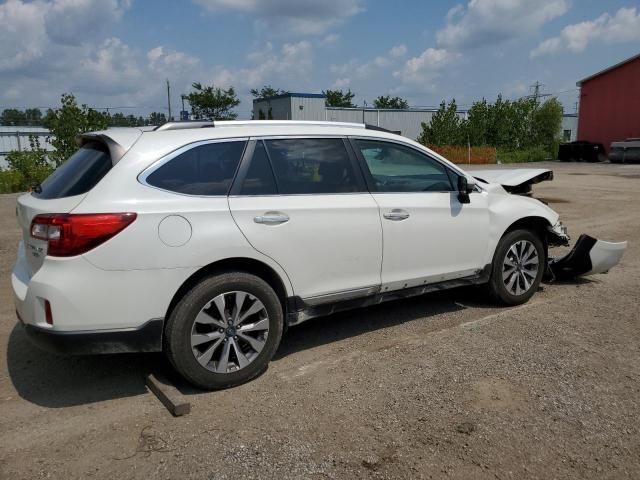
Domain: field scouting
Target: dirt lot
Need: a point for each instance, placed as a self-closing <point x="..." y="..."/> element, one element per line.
<point x="442" y="386"/>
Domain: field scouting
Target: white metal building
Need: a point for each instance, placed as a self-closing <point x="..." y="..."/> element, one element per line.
<point x="17" y="138"/>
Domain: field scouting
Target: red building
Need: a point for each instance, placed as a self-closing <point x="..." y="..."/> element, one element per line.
<point x="610" y="104"/>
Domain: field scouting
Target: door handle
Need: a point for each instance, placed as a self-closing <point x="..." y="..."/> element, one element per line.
<point x="271" y="218"/>
<point x="396" y="214"/>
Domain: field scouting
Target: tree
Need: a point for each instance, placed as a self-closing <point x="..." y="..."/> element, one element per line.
<point x="67" y="122"/>
<point x="212" y="103"/>
<point x="445" y="128"/>
<point x="547" y="121"/>
<point x="267" y="91"/>
<point x="157" y="118"/>
<point x="33" y="116"/>
<point x="13" y="117"/>
<point x="338" y="98"/>
<point x="390" y="102"/>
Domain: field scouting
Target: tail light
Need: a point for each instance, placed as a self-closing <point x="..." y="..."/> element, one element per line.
<point x="72" y="234"/>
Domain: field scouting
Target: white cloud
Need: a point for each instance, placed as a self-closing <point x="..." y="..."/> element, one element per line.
<point x="363" y="70"/>
<point x="425" y="67"/>
<point x="341" y="83"/>
<point x="398" y="51"/>
<point x="330" y="39"/>
<point x="487" y="22"/>
<point x="303" y="17"/>
<point x="22" y="35"/>
<point x="67" y="21"/>
<point x="623" y="26"/>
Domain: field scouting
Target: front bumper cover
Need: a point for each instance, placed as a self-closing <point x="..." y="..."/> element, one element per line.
<point x="587" y="257"/>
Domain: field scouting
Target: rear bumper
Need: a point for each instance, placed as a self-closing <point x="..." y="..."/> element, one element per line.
<point x="146" y="338"/>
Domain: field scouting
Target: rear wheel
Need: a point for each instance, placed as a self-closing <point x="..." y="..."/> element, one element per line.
<point x="224" y="331"/>
<point x="518" y="267"/>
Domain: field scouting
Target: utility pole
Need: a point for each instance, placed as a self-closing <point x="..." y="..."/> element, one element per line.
<point x="536" y="87"/>
<point x="169" y="99"/>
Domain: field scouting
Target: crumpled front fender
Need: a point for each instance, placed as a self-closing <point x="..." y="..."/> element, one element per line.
<point x="587" y="257"/>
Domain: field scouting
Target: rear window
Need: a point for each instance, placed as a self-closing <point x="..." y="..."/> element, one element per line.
<point x="79" y="174"/>
<point x="203" y="170"/>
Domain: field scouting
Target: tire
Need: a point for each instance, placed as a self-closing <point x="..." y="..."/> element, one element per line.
<point x="505" y="289"/>
<point x="196" y="329"/>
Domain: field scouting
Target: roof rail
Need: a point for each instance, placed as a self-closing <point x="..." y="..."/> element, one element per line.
<point x="287" y="123"/>
<point x="368" y="126"/>
<point x="183" y="124"/>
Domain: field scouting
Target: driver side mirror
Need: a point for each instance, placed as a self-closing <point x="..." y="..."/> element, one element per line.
<point x="465" y="187"/>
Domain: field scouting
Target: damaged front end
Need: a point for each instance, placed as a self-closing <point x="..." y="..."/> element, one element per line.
<point x="587" y="257"/>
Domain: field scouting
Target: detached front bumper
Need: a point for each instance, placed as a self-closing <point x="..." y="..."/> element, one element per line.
<point x="587" y="257"/>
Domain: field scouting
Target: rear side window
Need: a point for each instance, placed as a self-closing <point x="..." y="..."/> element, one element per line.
<point x="311" y="165"/>
<point x="203" y="170"/>
<point x="80" y="173"/>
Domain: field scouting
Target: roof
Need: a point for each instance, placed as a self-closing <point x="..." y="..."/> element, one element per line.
<point x="608" y="69"/>
<point x="291" y="95"/>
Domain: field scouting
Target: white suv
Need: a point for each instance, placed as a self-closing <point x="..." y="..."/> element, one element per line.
<point x="205" y="241"/>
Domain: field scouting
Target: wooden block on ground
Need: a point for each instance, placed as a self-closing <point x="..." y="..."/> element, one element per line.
<point x="168" y="395"/>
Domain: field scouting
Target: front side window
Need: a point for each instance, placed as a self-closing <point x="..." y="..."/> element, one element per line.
<point x="203" y="170"/>
<point x="311" y="165"/>
<point x="396" y="168"/>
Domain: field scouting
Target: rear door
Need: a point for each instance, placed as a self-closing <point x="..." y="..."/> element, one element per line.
<point x="429" y="236"/>
<point x="303" y="202"/>
<point x="61" y="192"/>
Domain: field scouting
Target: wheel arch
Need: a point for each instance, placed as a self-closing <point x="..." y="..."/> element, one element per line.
<point x="237" y="264"/>
<point x="536" y="224"/>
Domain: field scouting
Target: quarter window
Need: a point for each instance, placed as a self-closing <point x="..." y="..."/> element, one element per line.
<point x="203" y="170"/>
<point x="311" y="165"/>
<point x="396" y="168"/>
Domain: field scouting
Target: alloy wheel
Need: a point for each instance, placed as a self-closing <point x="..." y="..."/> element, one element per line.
<point x="229" y="332"/>
<point x="520" y="267"/>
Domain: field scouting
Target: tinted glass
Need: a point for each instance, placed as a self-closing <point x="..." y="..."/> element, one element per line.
<point x="79" y="174"/>
<point x="311" y="165"/>
<point x="259" y="179"/>
<point x="395" y="168"/>
<point x="204" y="170"/>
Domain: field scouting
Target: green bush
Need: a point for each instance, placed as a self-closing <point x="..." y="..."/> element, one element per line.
<point x="11" y="181"/>
<point x="25" y="168"/>
<point x="534" y="154"/>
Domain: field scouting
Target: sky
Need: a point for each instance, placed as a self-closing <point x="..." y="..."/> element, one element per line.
<point x="119" y="53"/>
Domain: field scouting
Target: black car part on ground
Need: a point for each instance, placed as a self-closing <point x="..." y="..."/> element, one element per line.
<point x="576" y="262"/>
<point x="581" y="151"/>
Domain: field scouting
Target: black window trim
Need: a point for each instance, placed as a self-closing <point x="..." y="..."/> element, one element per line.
<point x="142" y="177"/>
<point x="450" y="172"/>
<point x="245" y="164"/>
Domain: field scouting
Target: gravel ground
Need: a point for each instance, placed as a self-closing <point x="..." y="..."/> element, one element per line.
<point x="442" y="386"/>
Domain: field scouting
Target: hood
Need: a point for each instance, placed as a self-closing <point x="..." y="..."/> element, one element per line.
<point x="517" y="181"/>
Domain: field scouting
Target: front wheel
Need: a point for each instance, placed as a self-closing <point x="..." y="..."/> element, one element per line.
<point x="518" y="267"/>
<point x="224" y="331"/>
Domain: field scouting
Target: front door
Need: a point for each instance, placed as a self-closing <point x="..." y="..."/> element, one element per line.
<point x="428" y="235"/>
<point x="303" y="202"/>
